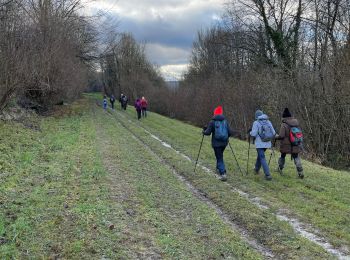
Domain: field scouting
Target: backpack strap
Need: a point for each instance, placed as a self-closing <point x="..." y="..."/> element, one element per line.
<point x="261" y="125"/>
<point x="290" y="125"/>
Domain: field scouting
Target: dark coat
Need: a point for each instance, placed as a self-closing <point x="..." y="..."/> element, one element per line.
<point x="123" y="100"/>
<point x="285" y="145"/>
<point x="137" y="105"/>
<point x="211" y="130"/>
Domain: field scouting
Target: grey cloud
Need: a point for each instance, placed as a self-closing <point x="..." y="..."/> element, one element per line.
<point x="165" y="55"/>
<point x="175" y="30"/>
<point x="169" y="27"/>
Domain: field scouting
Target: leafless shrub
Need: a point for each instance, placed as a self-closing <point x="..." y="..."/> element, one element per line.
<point x="271" y="55"/>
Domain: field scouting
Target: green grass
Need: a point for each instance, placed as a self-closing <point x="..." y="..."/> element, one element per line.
<point x="183" y="227"/>
<point x="83" y="188"/>
<point x="53" y="191"/>
<point x="321" y="199"/>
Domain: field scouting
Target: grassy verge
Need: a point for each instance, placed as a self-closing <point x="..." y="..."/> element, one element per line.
<point x="321" y="199"/>
<point x="82" y="188"/>
<point x="54" y="202"/>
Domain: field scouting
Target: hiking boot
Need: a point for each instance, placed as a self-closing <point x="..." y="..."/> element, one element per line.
<point x="280" y="171"/>
<point x="268" y="177"/>
<point x="256" y="172"/>
<point x="223" y="177"/>
<point x="301" y="175"/>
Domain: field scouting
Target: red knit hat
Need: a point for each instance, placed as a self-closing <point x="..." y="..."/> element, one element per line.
<point x="218" y="111"/>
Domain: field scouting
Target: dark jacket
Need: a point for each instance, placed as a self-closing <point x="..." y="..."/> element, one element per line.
<point x="211" y="130"/>
<point x="123" y="99"/>
<point x="285" y="145"/>
<point x="137" y="105"/>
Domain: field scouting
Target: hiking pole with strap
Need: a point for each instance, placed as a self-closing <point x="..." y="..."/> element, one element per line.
<point x="272" y="151"/>
<point x="235" y="158"/>
<point x="248" y="151"/>
<point x="200" y="147"/>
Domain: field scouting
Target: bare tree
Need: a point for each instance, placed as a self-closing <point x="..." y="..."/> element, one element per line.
<point x="126" y="70"/>
<point x="47" y="51"/>
<point x="271" y="55"/>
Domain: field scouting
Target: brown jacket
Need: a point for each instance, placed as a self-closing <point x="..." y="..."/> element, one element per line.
<point x="285" y="145"/>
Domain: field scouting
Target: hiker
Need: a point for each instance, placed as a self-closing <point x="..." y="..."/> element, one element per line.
<point x="112" y="100"/>
<point x="220" y="133"/>
<point x="144" y="104"/>
<point x="138" y="108"/>
<point x="105" y="102"/>
<point x="120" y="101"/>
<point x="123" y="101"/>
<point x="262" y="132"/>
<point x="290" y="143"/>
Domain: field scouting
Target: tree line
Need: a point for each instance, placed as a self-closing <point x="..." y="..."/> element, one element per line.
<point x="51" y="51"/>
<point x="126" y="69"/>
<point x="270" y="55"/>
<point x="47" y="49"/>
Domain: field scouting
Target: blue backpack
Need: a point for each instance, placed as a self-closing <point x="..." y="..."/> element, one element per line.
<point x="221" y="131"/>
<point x="266" y="132"/>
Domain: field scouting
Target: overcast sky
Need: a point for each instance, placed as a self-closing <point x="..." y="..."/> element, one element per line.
<point x="169" y="27"/>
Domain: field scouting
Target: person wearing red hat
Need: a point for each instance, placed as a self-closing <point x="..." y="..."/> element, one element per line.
<point x="220" y="132"/>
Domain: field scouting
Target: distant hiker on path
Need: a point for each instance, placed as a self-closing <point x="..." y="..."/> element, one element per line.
<point x="220" y="133"/>
<point x="112" y="100"/>
<point x="105" y="102"/>
<point x="263" y="133"/>
<point x="138" y="108"/>
<point x="123" y="101"/>
<point x="144" y="105"/>
<point x="291" y="140"/>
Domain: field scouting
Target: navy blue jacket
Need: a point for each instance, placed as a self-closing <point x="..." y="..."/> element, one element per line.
<point x="211" y="130"/>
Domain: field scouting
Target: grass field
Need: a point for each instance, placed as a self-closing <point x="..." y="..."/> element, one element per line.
<point x="321" y="199"/>
<point x="91" y="184"/>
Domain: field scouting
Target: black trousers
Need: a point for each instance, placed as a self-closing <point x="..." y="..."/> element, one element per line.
<point x="294" y="155"/>
<point x="138" y="114"/>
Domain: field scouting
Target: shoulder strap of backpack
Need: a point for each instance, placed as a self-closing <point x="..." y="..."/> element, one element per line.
<point x="290" y="125"/>
<point x="260" y="127"/>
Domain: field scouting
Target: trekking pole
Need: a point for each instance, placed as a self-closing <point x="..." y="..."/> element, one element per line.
<point x="200" y="147"/>
<point x="272" y="151"/>
<point x="235" y="158"/>
<point x="248" y="152"/>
